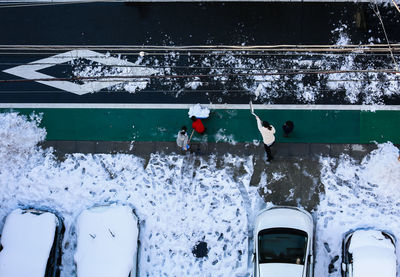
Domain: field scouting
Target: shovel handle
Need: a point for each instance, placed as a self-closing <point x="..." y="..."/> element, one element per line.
<point x="190" y="137"/>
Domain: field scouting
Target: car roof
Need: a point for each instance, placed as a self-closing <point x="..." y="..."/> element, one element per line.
<point x="373" y="254"/>
<point x="107" y="241"/>
<point x="27" y="239"/>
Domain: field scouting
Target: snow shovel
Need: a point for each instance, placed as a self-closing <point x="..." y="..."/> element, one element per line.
<point x="187" y="145"/>
<point x="252" y="109"/>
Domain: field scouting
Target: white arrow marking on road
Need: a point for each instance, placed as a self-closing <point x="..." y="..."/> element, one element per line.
<point x="30" y="71"/>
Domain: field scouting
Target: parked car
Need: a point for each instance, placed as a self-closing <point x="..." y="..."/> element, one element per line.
<point x="369" y="253"/>
<point x="31" y="244"/>
<point x="283" y="243"/>
<point x="107" y="243"/>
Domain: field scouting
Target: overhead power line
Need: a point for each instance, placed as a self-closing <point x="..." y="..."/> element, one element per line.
<point x="218" y="49"/>
<point x="135" y="77"/>
<point x="395" y="4"/>
<point x="378" y="14"/>
<point x="40" y="4"/>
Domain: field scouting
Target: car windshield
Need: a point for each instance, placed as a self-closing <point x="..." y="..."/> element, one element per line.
<point x="282" y="245"/>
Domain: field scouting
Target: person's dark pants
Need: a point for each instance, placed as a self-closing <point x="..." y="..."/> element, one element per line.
<point x="268" y="151"/>
<point x="287" y="130"/>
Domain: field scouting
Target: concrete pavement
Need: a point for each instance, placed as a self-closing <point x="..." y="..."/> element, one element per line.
<point x="296" y="163"/>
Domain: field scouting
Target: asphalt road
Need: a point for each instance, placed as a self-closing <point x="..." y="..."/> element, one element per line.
<point x="192" y="23"/>
<point x="178" y="24"/>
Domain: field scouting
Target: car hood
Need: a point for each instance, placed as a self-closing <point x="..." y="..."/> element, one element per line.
<point x="281" y="270"/>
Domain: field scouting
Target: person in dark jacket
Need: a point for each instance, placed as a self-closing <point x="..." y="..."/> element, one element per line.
<point x="182" y="139"/>
<point x="197" y="125"/>
<point x="287" y="128"/>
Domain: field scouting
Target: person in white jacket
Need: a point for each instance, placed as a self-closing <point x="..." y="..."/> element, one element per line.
<point x="267" y="131"/>
<point x="182" y="139"/>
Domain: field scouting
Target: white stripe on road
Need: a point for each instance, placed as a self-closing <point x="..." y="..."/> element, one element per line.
<point x="187" y="106"/>
<point x="31" y="70"/>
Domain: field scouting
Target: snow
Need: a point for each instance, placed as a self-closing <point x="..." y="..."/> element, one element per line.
<point x="194" y="84"/>
<point x="12" y="126"/>
<point x="81" y="68"/>
<point x="281" y="270"/>
<point x="373" y="254"/>
<point x="183" y="199"/>
<point x="199" y="111"/>
<point x="180" y="201"/>
<point x="107" y="242"/>
<point x="221" y="136"/>
<point x="346" y="88"/>
<point x="27" y="239"/>
<point x="358" y="195"/>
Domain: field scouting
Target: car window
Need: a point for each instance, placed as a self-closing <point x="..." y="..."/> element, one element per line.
<point x="282" y="245"/>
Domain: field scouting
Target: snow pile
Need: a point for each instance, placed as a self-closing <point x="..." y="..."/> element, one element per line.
<point x="199" y="111"/>
<point x="180" y="200"/>
<point x="194" y="84"/>
<point x="107" y="242"/>
<point x="18" y="135"/>
<point x="373" y="254"/>
<point x="340" y="32"/>
<point x="357" y="195"/>
<point x="27" y="239"/>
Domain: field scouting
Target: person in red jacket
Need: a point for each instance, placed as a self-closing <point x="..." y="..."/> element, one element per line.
<point x="197" y="125"/>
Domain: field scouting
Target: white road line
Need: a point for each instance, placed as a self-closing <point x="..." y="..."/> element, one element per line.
<point x="30" y="70"/>
<point x="187" y="106"/>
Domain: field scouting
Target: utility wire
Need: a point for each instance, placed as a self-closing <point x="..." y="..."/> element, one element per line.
<point x="252" y="54"/>
<point x="378" y="14"/>
<point x="30" y="4"/>
<point x="81" y="78"/>
<point x="214" y="48"/>
<point x="177" y="67"/>
<point x="395" y="4"/>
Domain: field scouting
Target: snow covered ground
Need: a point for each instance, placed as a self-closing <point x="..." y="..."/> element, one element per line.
<point x="182" y="200"/>
<point x="362" y="194"/>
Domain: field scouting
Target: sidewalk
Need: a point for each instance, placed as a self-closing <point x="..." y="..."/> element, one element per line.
<point x="144" y="149"/>
<point x="223" y="125"/>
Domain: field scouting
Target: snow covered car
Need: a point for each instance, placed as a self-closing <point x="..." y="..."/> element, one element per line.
<point x="283" y="243"/>
<point x="107" y="242"/>
<point x="369" y="253"/>
<point x="31" y="244"/>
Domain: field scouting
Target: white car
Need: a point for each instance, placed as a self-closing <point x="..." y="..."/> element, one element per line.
<point x="283" y="243"/>
<point x="369" y="253"/>
<point x="107" y="242"/>
<point x="31" y="244"/>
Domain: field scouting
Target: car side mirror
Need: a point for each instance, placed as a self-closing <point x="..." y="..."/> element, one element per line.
<point x="253" y="257"/>
<point x="344" y="267"/>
